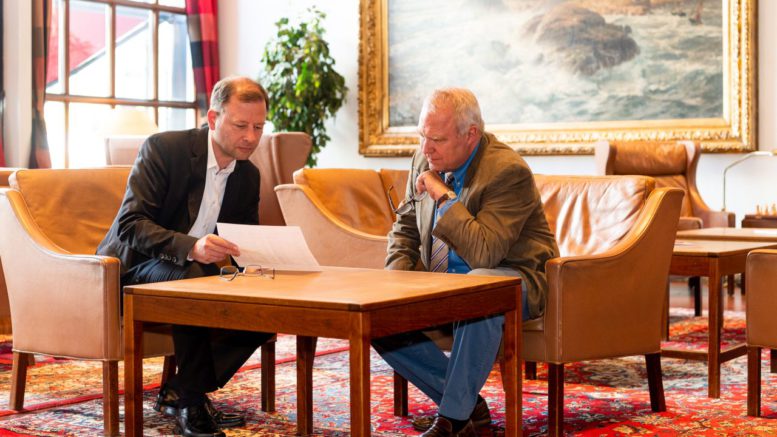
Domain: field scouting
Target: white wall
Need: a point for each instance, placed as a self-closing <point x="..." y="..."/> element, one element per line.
<point x="246" y="25"/>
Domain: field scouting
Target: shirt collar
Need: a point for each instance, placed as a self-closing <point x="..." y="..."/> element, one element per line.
<point x="212" y="164"/>
<point x="461" y="172"/>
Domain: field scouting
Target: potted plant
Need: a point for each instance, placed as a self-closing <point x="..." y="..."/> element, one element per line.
<point x="305" y="90"/>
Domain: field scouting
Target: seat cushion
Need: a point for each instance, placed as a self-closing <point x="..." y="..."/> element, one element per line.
<point x="590" y="214"/>
<point x="73" y="207"/>
<point x="355" y="196"/>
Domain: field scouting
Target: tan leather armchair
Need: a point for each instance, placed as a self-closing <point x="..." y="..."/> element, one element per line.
<point x="606" y="290"/>
<point x="760" y="275"/>
<point x="671" y="164"/>
<point x="5" y="312"/>
<point x="344" y="214"/>
<point x="65" y="300"/>
<point x="277" y="157"/>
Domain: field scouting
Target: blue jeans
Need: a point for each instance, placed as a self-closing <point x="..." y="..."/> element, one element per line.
<point x="452" y="383"/>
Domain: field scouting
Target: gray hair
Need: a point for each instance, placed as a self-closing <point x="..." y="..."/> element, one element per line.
<point x="461" y="101"/>
<point x="243" y="88"/>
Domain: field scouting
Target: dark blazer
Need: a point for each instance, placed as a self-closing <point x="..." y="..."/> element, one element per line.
<point x="163" y="197"/>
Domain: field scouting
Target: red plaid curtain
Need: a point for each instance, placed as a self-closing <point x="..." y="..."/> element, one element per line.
<point x="204" y="41"/>
<point x="2" y="90"/>
<point x="41" y="26"/>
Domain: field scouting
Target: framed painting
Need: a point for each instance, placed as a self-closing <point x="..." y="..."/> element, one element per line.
<point x="555" y="77"/>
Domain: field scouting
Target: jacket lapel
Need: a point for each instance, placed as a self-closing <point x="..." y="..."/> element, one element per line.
<point x="199" y="165"/>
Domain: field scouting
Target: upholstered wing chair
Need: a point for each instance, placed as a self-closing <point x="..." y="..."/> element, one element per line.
<point x="671" y="164"/>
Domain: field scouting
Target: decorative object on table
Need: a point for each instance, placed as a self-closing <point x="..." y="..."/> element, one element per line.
<point x="305" y="90"/>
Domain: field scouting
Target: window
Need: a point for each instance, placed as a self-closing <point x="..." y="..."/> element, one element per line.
<point x="107" y="55"/>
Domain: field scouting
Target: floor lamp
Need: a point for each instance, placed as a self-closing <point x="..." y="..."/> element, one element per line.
<point x="739" y="161"/>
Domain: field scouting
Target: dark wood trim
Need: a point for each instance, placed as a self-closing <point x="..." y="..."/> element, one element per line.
<point x="111" y="397"/>
<point x="555" y="399"/>
<point x="18" y="380"/>
<point x="754" y="381"/>
<point x="268" y="376"/>
<point x="400" y="395"/>
<point x="655" y="382"/>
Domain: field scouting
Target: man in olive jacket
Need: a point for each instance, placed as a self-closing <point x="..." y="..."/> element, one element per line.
<point x="471" y="207"/>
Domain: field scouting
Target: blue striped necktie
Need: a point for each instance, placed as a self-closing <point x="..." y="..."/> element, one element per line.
<point x="439" y="259"/>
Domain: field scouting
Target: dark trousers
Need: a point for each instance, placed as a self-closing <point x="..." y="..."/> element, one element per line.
<point x="207" y="357"/>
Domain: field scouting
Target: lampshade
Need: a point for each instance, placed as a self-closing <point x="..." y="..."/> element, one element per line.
<point x="125" y="121"/>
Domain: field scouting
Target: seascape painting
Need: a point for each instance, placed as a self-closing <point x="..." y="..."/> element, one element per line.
<point x="545" y="61"/>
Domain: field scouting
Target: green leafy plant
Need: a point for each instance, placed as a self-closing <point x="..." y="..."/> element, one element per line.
<point x="299" y="74"/>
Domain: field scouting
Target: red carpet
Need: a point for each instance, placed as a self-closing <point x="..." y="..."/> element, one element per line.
<point x="603" y="398"/>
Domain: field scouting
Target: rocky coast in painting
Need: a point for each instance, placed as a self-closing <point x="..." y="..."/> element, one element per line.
<point x="543" y="61"/>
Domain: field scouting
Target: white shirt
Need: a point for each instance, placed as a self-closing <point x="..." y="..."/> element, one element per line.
<point x="212" y="196"/>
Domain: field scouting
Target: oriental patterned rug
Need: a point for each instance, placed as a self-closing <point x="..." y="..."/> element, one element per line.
<point x="603" y="398"/>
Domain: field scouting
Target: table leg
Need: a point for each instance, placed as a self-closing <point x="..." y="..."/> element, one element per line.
<point x="306" y="347"/>
<point x="133" y="371"/>
<point x="359" y="343"/>
<point x="715" y="320"/>
<point x="512" y="375"/>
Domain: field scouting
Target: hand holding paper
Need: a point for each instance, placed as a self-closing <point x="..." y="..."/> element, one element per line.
<point x="279" y="247"/>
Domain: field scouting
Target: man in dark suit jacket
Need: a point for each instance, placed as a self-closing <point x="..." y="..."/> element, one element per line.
<point x="182" y="183"/>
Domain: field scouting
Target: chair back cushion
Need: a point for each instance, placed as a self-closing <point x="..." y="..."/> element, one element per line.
<point x="73" y="207"/>
<point x="355" y="196"/>
<point x="590" y="214"/>
<point x="666" y="162"/>
<point x="277" y="157"/>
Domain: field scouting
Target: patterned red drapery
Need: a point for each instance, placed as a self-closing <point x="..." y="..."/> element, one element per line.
<point x="41" y="26"/>
<point x="203" y="38"/>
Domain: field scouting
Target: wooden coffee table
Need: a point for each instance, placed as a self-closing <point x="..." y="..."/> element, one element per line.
<point x="713" y="259"/>
<point x="730" y="234"/>
<point x="354" y="304"/>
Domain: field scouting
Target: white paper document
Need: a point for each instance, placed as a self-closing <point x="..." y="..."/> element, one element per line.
<point x="280" y="247"/>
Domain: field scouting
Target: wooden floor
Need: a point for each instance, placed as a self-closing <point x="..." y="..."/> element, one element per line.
<point x="681" y="297"/>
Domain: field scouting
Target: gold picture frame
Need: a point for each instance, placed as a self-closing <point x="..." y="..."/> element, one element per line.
<point x="734" y="131"/>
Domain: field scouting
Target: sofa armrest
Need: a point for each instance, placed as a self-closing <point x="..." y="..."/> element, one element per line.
<point x="611" y="303"/>
<point x="717" y="219"/>
<point x="62" y="304"/>
<point x="332" y="242"/>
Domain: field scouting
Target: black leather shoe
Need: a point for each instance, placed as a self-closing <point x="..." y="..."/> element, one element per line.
<point x="167" y="404"/>
<point x="480" y="417"/>
<point x="196" y="421"/>
<point x="442" y="427"/>
<point x="224" y="420"/>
